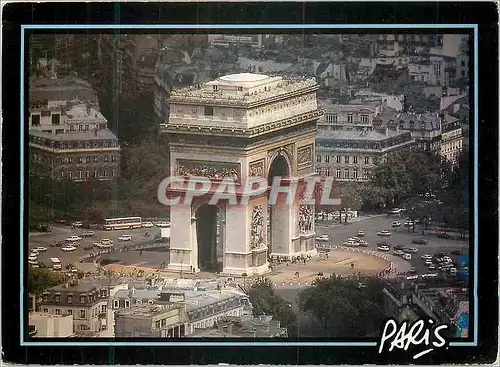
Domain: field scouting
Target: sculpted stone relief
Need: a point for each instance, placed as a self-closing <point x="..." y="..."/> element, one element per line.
<point x="306" y="215"/>
<point x="304" y="154"/>
<point x="289" y="149"/>
<point x="257" y="228"/>
<point x="256" y="169"/>
<point x="216" y="171"/>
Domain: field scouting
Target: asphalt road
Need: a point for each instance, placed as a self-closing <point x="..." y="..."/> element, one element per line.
<point x="399" y="236"/>
<point x="59" y="233"/>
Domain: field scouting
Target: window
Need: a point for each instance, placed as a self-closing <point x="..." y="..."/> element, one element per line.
<point x="375" y="160"/>
<point x="70" y="312"/>
<point x="71" y="127"/>
<point x="87" y="159"/>
<point x="116" y="303"/>
<point x="318" y="171"/>
<point x="82" y="314"/>
<point x="113" y="158"/>
<point x="339" y="174"/>
<point x="327" y="172"/>
<point x="364" y="119"/>
<point x="367" y="160"/>
<point x="80" y="127"/>
<point x="346" y="173"/>
<point x="349" y="118"/>
<point x="45" y="310"/>
<point x="355" y="173"/>
<point x="105" y="173"/>
<point x="35" y="120"/>
<point x="96" y="174"/>
<point x="106" y="158"/>
<point x="355" y="159"/>
<point x="86" y="128"/>
<point x="346" y="159"/>
<point x="83" y="327"/>
<point x="104" y="308"/>
<point x="318" y="159"/>
<point x="62" y="173"/>
<point x="87" y="174"/>
<point x="215" y="88"/>
<point x="70" y="299"/>
<point x="59" y="131"/>
<point x="127" y="303"/>
<point x="332" y="119"/>
<point x="82" y="299"/>
<point x="462" y="63"/>
<point x="338" y="159"/>
<point x="113" y="173"/>
<point x="209" y="111"/>
<point x="58" y="311"/>
<point x="56" y="118"/>
<point x="327" y="159"/>
<point x="70" y="174"/>
<point x="163" y="322"/>
<point x="365" y="174"/>
<point x="239" y="89"/>
<point x="57" y="298"/>
<point x="157" y="325"/>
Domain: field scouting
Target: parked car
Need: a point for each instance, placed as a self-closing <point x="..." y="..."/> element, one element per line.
<point x="409" y="223"/>
<point x="323" y="238"/>
<point x="68" y="248"/>
<point x="432" y="267"/>
<point x="363" y="243"/>
<point x="147" y="225"/>
<point x="396" y="224"/>
<point x="407" y="256"/>
<point x="426" y="257"/>
<point x="411" y="250"/>
<point x="384" y="233"/>
<point x="350" y="243"/>
<point x="88" y="234"/>
<point x="361" y="233"/>
<point x="419" y="241"/>
<point x="398" y="247"/>
<point x="383" y="248"/>
<point x="453" y="271"/>
<point x="106" y="241"/>
<point x="398" y="253"/>
<point x="77" y="224"/>
<point x="73" y="239"/>
<point x="417" y="221"/>
<point x="41" y="249"/>
<point x="428" y="262"/>
<point x="125" y="237"/>
<point x="162" y="224"/>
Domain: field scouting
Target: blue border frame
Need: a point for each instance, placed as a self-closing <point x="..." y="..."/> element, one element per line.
<point x="247" y="26"/>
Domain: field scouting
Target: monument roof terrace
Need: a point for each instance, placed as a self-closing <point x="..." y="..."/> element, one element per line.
<point x="243" y="90"/>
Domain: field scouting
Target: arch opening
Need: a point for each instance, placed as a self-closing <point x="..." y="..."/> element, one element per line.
<point x="210" y="236"/>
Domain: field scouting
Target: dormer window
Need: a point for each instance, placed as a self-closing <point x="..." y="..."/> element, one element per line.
<point x="215" y="88"/>
<point x="239" y="89"/>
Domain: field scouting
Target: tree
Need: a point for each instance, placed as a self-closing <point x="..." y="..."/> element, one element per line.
<point x="266" y="302"/>
<point x="41" y="279"/>
<point x="346" y="307"/>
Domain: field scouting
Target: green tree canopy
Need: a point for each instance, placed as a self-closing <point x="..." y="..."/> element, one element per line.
<point x="346" y="307"/>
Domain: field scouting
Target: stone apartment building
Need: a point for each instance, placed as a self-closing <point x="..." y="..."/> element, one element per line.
<point x="84" y="300"/>
<point x="167" y="321"/>
<point x="425" y="128"/>
<point x="349" y="144"/>
<point x="452" y="139"/>
<point x="68" y="136"/>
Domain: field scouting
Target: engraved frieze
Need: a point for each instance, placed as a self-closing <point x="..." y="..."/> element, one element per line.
<point x="304" y="155"/>
<point x="212" y="170"/>
<point x="256" y="169"/>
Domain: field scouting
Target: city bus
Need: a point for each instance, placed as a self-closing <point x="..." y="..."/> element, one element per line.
<point x="122" y="223"/>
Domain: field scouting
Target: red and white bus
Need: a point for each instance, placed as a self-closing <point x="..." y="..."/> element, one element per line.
<point x="122" y="223"/>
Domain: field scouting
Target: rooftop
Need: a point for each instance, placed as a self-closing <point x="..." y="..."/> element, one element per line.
<point x="63" y="89"/>
<point x="81" y="286"/>
<point x="370" y="135"/>
<point x="144" y="311"/>
<point x="104" y="134"/>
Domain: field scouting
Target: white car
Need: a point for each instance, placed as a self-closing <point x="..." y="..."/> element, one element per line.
<point x="41" y="249"/>
<point x="106" y="241"/>
<point x="383" y="248"/>
<point x="407" y="256"/>
<point x="148" y="225"/>
<point x="396" y="224"/>
<point x="32" y="258"/>
<point x="398" y="253"/>
<point x="361" y="233"/>
<point x="162" y="224"/>
<point x="323" y="238"/>
<point x="409" y="223"/>
<point x="411" y="250"/>
<point x="351" y="243"/>
<point x="384" y="233"/>
<point x="428" y="262"/>
<point x="125" y="237"/>
<point x="73" y="239"/>
<point x="68" y="248"/>
<point x="77" y="224"/>
<point x="395" y="211"/>
<point x="432" y="267"/>
<point x="426" y="257"/>
<point x="88" y="234"/>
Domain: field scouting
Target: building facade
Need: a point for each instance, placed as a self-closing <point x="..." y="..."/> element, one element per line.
<point x="51" y="326"/>
<point x="353" y="155"/>
<point x="84" y="301"/>
<point x="68" y="136"/>
<point x="452" y="139"/>
<point x="425" y="128"/>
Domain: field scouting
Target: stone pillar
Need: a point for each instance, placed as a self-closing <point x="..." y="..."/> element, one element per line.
<point x="181" y="256"/>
